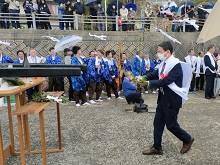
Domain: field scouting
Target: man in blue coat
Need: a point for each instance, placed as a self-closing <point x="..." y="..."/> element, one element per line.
<point x="169" y="74"/>
<point x="130" y="90"/>
<point x="110" y="74"/>
<point x="138" y="67"/>
<point x="20" y="59"/>
<point x="80" y="82"/>
<point x="95" y="71"/>
<point x="4" y="58"/>
<point x="55" y="83"/>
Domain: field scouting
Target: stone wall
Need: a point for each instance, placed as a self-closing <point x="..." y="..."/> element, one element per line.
<point x="131" y="41"/>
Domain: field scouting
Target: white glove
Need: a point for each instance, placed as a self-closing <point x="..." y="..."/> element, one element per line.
<point x="81" y="72"/>
<point x="113" y="76"/>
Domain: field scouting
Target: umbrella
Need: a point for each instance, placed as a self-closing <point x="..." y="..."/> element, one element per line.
<point x="90" y="2"/>
<point x="206" y="5"/>
<point x="213" y="3"/>
<point x="172" y="5"/>
<point x="115" y="4"/>
<point x="67" y="42"/>
<point x="60" y="1"/>
<point x="189" y="3"/>
<point x="216" y="86"/>
<point x="131" y="5"/>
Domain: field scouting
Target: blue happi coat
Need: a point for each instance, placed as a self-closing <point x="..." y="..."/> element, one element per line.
<point x="138" y="67"/>
<point x="6" y="59"/>
<point x="110" y="70"/>
<point x="57" y="60"/>
<point x="156" y="63"/>
<point x="86" y="61"/>
<point x="127" y="66"/>
<point x="95" y="74"/>
<point x="79" y="82"/>
<point x="17" y="61"/>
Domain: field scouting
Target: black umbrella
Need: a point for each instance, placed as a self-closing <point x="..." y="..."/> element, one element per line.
<point x="90" y="2"/>
<point x="116" y="4"/>
<point x="60" y="1"/>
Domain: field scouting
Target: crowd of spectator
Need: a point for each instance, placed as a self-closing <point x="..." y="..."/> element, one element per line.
<point x="10" y="10"/>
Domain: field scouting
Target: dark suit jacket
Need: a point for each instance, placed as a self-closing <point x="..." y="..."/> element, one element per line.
<point x="208" y="63"/>
<point x="175" y="75"/>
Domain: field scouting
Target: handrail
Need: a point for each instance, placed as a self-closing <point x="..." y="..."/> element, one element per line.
<point x="85" y="19"/>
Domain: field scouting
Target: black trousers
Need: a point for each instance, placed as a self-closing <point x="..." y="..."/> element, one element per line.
<point x="193" y="81"/>
<point x="31" y="91"/>
<point x="29" y="20"/>
<point x="134" y="98"/>
<point x="95" y="87"/>
<point x="80" y="95"/>
<point x="200" y="82"/>
<point x="111" y="86"/>
<point x="55" y="84"/>
<point x="167" y="115"/>
<point x="209" y="85"/>
<point x="70" y="88"/>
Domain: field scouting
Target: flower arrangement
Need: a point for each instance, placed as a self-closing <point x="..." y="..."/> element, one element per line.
<point x="140" y="80"/>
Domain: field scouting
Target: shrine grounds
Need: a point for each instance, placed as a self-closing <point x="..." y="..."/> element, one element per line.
<point x="107" y="134"/>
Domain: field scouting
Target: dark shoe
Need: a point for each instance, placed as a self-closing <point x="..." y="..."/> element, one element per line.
<point x="213" y="97"/>
<point x="152" y="151"/>
<point x="186" y="146"/>
<point x="207" y="97"/>
<point x="202" y="89"/>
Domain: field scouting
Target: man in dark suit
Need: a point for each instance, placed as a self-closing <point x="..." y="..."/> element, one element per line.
<point x="210" y="72"/>
<point x="168" y="103"/>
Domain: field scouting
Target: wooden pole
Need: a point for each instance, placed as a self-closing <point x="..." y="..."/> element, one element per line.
<point x="119" y="66"/>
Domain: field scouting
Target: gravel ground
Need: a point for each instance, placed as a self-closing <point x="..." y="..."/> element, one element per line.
<point x="106" y="134"/>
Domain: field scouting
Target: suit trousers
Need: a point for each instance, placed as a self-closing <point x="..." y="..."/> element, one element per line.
<point x="200" y="82"/>
<point x="167" y="115"/>
<point x="95" y="87"/>
<point x="209" y="85"/>
<point x="193" y="81"/>
<point x="80" y="95"/>
<point x="111" y="86"/>
<point x="134" y="98"/>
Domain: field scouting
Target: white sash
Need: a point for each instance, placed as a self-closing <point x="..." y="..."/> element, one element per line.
<point x="212" y="62"/>
<point x="187" y="74"/>
<point x="192" y="63"/>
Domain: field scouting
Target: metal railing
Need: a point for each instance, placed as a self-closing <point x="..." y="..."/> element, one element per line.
<point x="79" y="22"/>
